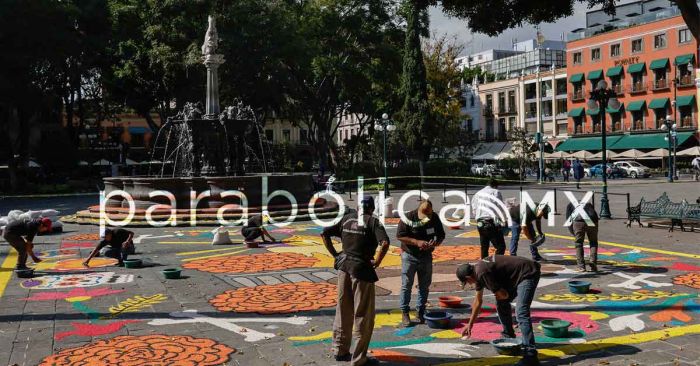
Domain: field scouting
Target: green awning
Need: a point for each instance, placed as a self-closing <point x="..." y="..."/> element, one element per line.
<point x="648" y="141"/>
<point x="636" y="106"/>
<point x="686" y="100"/>
<point x="587" y="143"/>
<point x="611" y="110"/>
<point x="684" y="59"/>
<point x="595" y="75"/>
<point x="661" y="63"/>
<point x="658" y="103"/>
<point x="576" y="78"/>
<point x="576" y="112"/>
<point x="592" y="113"/>
<point x="631" y="69"/>
<point x="614" y="71"/>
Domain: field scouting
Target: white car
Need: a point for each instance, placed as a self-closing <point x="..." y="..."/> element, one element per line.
<point x="634" y="169"/>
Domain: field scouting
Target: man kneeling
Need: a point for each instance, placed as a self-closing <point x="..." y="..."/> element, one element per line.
<point x="508" y="278"/>
<point x="120" y="242"/>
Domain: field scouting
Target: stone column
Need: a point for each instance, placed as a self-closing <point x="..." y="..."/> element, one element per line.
<point x="212" y="63"/>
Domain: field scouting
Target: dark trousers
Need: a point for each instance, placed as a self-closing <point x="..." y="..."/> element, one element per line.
<point x="20" y="245"/>
<point x="526" y="293"/>
<point x="121" y="254"/>
<point x="251" y="233"/>
<point x="490" y="233"/>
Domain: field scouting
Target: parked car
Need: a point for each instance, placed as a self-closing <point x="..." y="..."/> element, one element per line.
<point x="634" y="169"/>
<point x="586" y="169"/>
<point x="617" y="172"/>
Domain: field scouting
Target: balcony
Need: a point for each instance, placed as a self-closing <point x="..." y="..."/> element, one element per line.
<point x="686" y="81"/>
<point x="661" y="84"/>
<point x="638" y="87"/>
<point x="618" y="89"/>
<point x="687" y="122"/>
<point x="577" y="95"/>
<point x="507" y="110"/>
<point x="637" y="125"/>
<point x="530" y="116"/>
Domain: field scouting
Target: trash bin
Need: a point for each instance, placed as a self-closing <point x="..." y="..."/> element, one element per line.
<point x="388" y="208"/>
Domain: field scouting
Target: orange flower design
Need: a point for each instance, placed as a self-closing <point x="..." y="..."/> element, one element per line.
<point x="144" y="350"/>
<point x="252" y="263"/>
<point x="277" y="299"/>
<point x="691" y="279"/>
<point x="82" y="237"/>
<point x="445" y="253"/>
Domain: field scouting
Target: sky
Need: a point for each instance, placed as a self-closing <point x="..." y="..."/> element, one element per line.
<point x="475" y="42"/>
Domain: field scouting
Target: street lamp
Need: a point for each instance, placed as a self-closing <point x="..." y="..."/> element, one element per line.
<point x="385" y="125"/>
<point x="601" y="98"/>
<point x="670" y="127"/>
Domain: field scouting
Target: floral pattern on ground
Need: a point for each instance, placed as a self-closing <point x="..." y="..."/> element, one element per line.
<point x="82" y="237"/>
<point x="144" y="350"/>
<point x="445" y="253"/>
<point x="253" y="263"/>
<point x="689" y="279"/>
<point x="277" y="299"/>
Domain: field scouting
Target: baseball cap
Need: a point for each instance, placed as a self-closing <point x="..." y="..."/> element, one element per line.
<point x="46" y="222"/>
<point x="367" y="201"/>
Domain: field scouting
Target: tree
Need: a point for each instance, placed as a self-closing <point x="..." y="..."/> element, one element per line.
<point x="521" y="142"/>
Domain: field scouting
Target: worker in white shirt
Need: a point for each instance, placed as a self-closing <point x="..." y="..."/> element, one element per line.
<point x="489" y="213"/>
<point x="696" y="168"/>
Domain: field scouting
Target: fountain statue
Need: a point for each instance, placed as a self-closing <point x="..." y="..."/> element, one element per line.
<point x="204" y="151"/>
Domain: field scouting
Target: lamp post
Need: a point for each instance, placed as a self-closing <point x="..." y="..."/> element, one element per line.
<point x="670" y="127"/>
<point x="676" y="81"/>
<point x="540" y="127"/>
<point x="601" y="97"/>
<point x="385" y="125"/>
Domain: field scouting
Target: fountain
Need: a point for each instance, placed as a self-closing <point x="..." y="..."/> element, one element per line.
<point x="204" y="150"/>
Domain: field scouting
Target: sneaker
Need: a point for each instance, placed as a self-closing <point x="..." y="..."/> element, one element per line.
<point x="120" y="264"/>
<point x="528" y="361"/>
<point x="580" y="269"/>
<point x="405" y="320"/>
<point x="538" y="258"/>
<point x="539" y="240"/>
<point x="594" y="267"/>
<point x="343" y="358"/>
<point x="371" y="361"/>
<point x="421" y="316"/>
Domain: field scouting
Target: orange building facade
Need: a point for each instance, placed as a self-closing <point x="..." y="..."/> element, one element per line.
<point x="652" y="68"/>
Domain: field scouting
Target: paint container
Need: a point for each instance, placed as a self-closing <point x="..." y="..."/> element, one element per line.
<point x="450" y="301"/>
<point x="171" y="273"/>
<point x="507" y="346"/>
<point x="579" y="287"/>
<point x="438" y="319"/>
<point x="133" y="263"/>
<point x="555" y="328"/>
<point x="25" y="273"/>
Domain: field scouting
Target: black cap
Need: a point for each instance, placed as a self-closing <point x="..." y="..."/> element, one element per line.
<point x="464" y="271"/>
<point x="367" y="201"/>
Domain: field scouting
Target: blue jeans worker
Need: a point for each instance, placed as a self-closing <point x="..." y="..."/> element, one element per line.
<point x="419" y="233"/>
<point x="121" y="243"/>
<point x="509" y="278"/>
<point x="531" y="226"/>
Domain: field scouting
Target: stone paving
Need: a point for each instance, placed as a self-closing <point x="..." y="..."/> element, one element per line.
<point x="274" y="305"/>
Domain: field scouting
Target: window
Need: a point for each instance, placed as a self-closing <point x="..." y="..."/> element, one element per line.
<point x="637" y="120"/>
<point x="637" y="45"/>
<point x="684" y="36"/>
<point x="595" y="54"/>
<point x="286" y="135"/>
<point x="269" y="134"/>
<point x="660" y="41"/>
<point x="577" y="58"/>
<point x="511" y="101"/>
<point x="615" y="50"/>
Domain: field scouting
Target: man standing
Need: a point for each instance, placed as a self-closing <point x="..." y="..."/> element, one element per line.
<point x="526" y="226"/>
<point x="15" y="231"/>
<point x="696" y="168"/>
<point x="255" y="228"/>
<point x="419" y="237"/>
<point x="120" y="242"/>
<point x="578" y="172"/>
<point x="360" y="234"/>
<point x="489" y="216"/>
<point x="582" y="226"/>
<point x="508" y="278"/>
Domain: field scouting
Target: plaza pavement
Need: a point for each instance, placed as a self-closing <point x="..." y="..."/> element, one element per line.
<point x="274" y="305"/>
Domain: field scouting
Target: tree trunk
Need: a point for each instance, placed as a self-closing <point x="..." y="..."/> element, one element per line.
<point x="691" y="14"/>
<point x="151" y="123"/>
<point x="14" y="135"/>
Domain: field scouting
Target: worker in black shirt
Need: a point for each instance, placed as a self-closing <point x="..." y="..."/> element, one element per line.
<point x="580" y="227"/>
<point x="121" y="243"/>
<point x="16" y="232"/>
<point x="509" y="278"/>
<point x="360" y="237"/>
<point x="255" y="228"/>
<point x="532" y="232"/>
<point x="419" y="237"/>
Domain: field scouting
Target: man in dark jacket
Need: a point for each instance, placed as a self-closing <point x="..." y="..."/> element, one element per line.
<point x="16" y="232"/>
<point x="360" y="237"/>
<point x="418" y="238"/>
<point x="509" y="278"/>
<point x="255" y="228"/>
<point x="120" y="242"/>
<point x="579" y="172"/>
<point x="581" y="227"/>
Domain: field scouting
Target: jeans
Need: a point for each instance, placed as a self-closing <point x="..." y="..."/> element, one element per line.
<point x="490" y="233"/>
<point x="525" y="295"/>
<point x="410" y="266"/>
<point x="20" y="245"/>
<point x="515" y="231"/>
